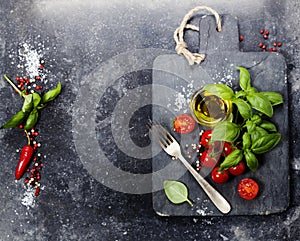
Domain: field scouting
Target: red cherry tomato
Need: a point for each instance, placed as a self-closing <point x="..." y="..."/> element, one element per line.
<point x="207" y="159"/>
<point x="238" y="169"/>
<point x="205" y="138"/>
<point x="219" y="176"/>
<point x="248" y="188"/>
<point x="227" y="149"/>
<point x="184" y="124"/>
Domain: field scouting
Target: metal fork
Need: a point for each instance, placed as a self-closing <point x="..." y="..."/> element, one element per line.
<point x="172" y="147"/>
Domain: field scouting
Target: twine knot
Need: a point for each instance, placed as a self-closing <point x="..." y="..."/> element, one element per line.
<point x="181" y="46"/>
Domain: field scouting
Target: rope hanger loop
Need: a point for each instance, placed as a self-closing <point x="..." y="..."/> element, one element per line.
<point x="181" y="46"/>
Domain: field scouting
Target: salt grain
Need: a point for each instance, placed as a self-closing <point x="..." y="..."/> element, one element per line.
<point x="31" y="60"/>
<point x="28" y="199"/>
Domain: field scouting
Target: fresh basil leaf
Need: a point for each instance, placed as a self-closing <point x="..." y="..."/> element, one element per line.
<point x="251" y="126"/>
<point x="232" y="159"/>
<point x="176" y="192"/>
<point x="252" y="90"/>
<point x="220" y="90"/>
<point x="274" y="97"/>
<point x="240" y="93"/>
<point x="246" y="141"/>
<point x="265" y="143"/>
<point x="251" y="160"/>
<point x="31" y="119"/>
<point x="245" y="81"/>
<point x="261" y="103"/>
<point x="51" y="94"/>
<point x="28" y="104"/>
<point x="243" y="107"/>
<point x="256" y="119"/>
<point x="257" y="134"/>
<point x="14" y="121"/>
<point x="36" y="99"/>
<point x="269" y="126"/>
<point x="225" y="131"/>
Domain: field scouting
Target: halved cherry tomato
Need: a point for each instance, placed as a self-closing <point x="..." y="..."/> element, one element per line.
<point x="205" y="138"/>
<point x="207" y="159"/>
<point x="219" y="176"/>
<point x="238" y="169"/>
<point x="184" y="124"/>
<point x="248" y="188"/>
<point x="227" y="149"/>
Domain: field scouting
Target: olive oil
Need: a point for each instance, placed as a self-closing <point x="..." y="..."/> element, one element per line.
<point x="208" y="109"/>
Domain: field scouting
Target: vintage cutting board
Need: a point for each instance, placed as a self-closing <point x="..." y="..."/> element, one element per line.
<point x="174" y="80"/>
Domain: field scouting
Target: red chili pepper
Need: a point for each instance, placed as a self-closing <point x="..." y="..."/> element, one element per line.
<point x="25" y="157"/>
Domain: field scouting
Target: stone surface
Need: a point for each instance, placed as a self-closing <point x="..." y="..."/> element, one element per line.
<point x="77" y="38"/>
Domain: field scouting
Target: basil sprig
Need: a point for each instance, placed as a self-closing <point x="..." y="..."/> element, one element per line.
<point x="256" y="134"/>
<point x="32" y="103"/>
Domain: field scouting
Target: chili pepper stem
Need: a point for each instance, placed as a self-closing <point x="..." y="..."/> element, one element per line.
<point x="28" y="138"/>
<point x="12" y="84"/>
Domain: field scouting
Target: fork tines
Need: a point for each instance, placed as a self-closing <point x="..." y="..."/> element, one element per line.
<point x="160" y="134"/>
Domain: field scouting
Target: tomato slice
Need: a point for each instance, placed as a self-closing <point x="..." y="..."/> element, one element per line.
<point x="248" y="188"/>
<point x="184" y="124"/>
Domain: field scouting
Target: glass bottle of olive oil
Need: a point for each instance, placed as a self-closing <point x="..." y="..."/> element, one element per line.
<point x="208" y="109"/>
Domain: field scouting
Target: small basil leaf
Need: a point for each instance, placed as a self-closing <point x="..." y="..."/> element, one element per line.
<point x="243" y="107"/>
<point x="251" y="160"/>
<point x="265" y="143"/>
<point x="28" y="104"/>
<point x="268" y="126"/>
<point x="31" y="119"/>
<point x="51" y="94"/>
<point x="225" y="131"/>
<point x="176" y="192"/>
<point x="246" y="141"/>
<point x="261" y="103"/>
<point x="245" y="81"/>
<point x="256" y="119"/>
<point x="252" y="90"/>
<point x="36" y="99"/>
<point x="220" y="90"/>
<point x="251" y="126"/>
<point x="260" y="130"/>
<point x="240" y="94"/>
<point x="274" y="97"/>
<point x="232" y="159"/>
<point x="15" y="120"/>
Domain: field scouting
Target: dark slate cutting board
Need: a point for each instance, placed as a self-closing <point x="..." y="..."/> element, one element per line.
<point x="173" y="83"/>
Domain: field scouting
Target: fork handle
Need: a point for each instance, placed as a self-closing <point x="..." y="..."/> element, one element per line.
<point x="219" y="201"/>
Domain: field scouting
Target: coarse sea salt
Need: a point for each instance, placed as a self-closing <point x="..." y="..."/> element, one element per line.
<point x="28" y="200"/>
<point x="31" y="59"/>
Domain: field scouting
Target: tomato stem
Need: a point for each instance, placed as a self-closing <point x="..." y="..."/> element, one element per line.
<point x="28" y="138"/>
<point x="12" y="84"/>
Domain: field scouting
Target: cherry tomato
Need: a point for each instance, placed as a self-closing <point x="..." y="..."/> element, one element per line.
<point x="219" y="176"/>
<point x="227" y="149"/>
<point x="184" y="124"/>
<point x="205" y="138"/>
<point x="207" y="159"/>
<point x="216" y="147"/>
<point x="248" y="188"/>
<point x="238" y="169"/>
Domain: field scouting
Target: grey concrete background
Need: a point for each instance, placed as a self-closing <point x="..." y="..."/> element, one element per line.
<point x="75" y="38"/>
